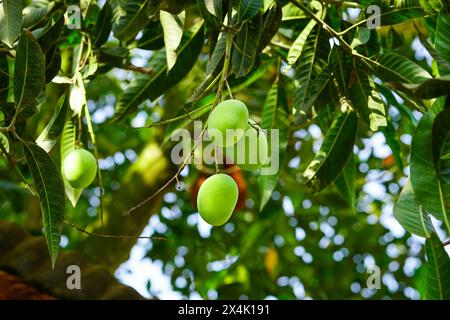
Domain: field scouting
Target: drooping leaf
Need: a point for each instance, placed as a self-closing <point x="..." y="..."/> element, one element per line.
<point x="103" y="25"/>
<point x="248" y="9"/>
<point x="367" y="101"/>
<point x="428" y="89"/>
<point x="410" y="214"/>
<point x="68" y="144"/>
<point x="297" y="47"/>
<point x="151" y="87"/>
<point x="442" y="41"/>
<point x="29" y="71"/>
<point x="134" y="20"/>
<point x="36" y="12"/>
<point x="441" y="152"/>
<point x="217" y="55"/>
<point x="48" y="137"/>
<point x="172" y="26"/>
<point x="4" y="79"/>
<point x="394" y="67"/>
<point x="270" y="26"/>
<point x="152" y="38"/>
<point x="246" y="43"/>
<point x="53" y="63"/>
<point x="48" y="35"/>
<point x="334" y="153"/>
<point x="10" y="21"/>
<point x="212" y="12"/>
<point x="392" y="141"/>
<point x="427" y="186"/>
<point x="345" y="181"/>
<point x="49" y="187"/>
<point x="438" y="270"/>
<point x="274" y="117"/>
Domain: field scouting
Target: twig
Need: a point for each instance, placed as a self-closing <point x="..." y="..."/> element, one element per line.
<point x="446" y="243"/>
<point x="132" y="67"/>
<point x="110" y="236"/>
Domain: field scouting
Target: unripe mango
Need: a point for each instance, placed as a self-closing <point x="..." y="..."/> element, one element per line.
<point x="227" y="122"/>
<point x="217" y="199"/>
<point x="79" y="168"/>
<point x="251" y="152"/>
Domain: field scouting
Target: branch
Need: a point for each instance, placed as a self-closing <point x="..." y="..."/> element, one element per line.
<point x="110" y="236"/>
<point x="132" y="67"/>
<point x="446" y="243"/>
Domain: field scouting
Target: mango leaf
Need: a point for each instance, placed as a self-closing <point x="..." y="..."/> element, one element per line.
<point x="246" y="43"/>
<point x="393" y="67"/>
<point x="362" y="36"/>
<point x="271" y="24"/>
<point x="438" y="270"/>
<point x="390" y="135"/>
<point x="442" y="63"/>
<point x="248" y="9"/>
<point x="212" y="12"/>
<point x="53" y="63"/>
<point x="152" y="38"/>
<point x="36" y="12"/>
<point x="29" y="71"/>
<point x="394" y="12"/>
<point x="48" y="35"/>
<point x="48" y="137"/>
<point x="134" y="20"/>
<point x="173" y="32"/>
<point x="151" y="87"/>
<point x="68" y="144"/>
<point x="4" y="79"/>
<point x="103" y="25"/>
<point x="345" y="181"/>
<point x="49" y="187"/>
<point x="442" y="40"/>
<point x="367" y="101"/>
<point x="431" y="88"/>
<point x="428" y="188"/>
<point x="409" y="213"/>
<point x="218" y="54"/>
<point x="334" y="153"/>
<point x="441" y="152"/>
<point x="274" y="116"/>
<point x="297" y="47"/>
<point x="10" y="21"/>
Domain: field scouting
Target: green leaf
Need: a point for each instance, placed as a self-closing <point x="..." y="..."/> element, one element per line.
<point x="345" y="181"/>
<point x="393" y="67"/>
<point x="10" y="21"/>
<point x="103" y="25"/>
<point x="29" y="71"/>
<point x="173" y="32"/>
<point x="390" y="135"/>
<point x="134" y="20"/>
<point x="68" y="144"/>
<point x="410" y="214"/>
<point x="48" y="137"/>
<point x="362" y="36"/>
<point x="274" y="116"/>
<point x="441" y="152"/>
<point x="394" y="12"/>
<point x="428" y="188"/>
<point x="212" y="12"/>
<point x="442" y="40"/>
<point x="271" y="25"/>
<point x="48" y="35"/>
<point x="53" y="63"/>
<point x="217" y="55"/>
<point x="36" y="12"/>
<point x="334" y="152"/>
<point x="4" y="79"/>
<point x="438" y="270"/>
<point x="151" y="87"/>
<point x="248" y="9"/>
<point x="246" y="45"/>
<point x="152" y="38"/>
<point x="428" y="89"/>
<point x="297" y="47"/>
<point x="367" y="101"/>
<point x="49" y="187"/>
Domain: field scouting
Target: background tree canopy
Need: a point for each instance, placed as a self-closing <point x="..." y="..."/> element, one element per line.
<point x="364" y="148"/>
